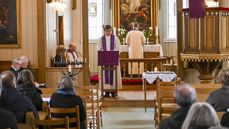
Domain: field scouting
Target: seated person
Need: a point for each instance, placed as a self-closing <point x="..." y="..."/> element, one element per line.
<point x="24" y="62"/>
<point x="201" y="115"/>
<point x="13" y="101"/>
<point x="73" y="55"/>
<point x="184" y="96"/>
<point x="219" y="98"/>
<point x="26" y="86"/>
<point x="7" y="119"/>
<point x="65" y="97"/>
<point x="16" y="66"/>
<point x="59" y="60"/>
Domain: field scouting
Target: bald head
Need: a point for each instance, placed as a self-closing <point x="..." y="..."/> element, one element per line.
<point x="185" y="95"/>
<point x="72" y="46"/>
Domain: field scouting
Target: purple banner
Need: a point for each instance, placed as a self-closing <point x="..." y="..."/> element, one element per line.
<point x="196" y="8"/>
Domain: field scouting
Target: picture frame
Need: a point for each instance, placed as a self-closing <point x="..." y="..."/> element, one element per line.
<point x="135" y="11"/>
<point x="10" y="24"/>
<point x="126" y="12"/>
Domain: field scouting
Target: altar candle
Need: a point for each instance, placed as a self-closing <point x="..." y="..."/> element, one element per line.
<point x="69" y="68"/>
<point x="156" y="31"/>
<point x="114" y="31"/>
<point x="155" y="69"/>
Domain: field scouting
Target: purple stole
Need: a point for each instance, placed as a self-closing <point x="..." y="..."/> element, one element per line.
<point x="72" y="52"/>
<point x="108" y="73"/>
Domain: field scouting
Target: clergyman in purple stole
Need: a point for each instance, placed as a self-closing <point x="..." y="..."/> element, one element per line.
<point x="108" y="73"/>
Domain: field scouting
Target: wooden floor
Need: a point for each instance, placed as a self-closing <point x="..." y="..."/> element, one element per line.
<point x="130" y="99"/>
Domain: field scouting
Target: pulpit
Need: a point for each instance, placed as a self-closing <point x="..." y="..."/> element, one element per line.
<point x="205" y="41"/>
<point x="108" y="60"/>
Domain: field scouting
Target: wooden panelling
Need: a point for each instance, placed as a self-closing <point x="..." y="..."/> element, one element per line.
<point x="53" y="75"/>
<point x="28" y="33"/>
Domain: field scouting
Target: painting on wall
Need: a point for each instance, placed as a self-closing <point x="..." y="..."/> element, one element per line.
<point x="10" y="23"/>
<point x="131" y="11"/>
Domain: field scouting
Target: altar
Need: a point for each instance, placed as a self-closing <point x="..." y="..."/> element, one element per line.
<point x="146" y="48"/>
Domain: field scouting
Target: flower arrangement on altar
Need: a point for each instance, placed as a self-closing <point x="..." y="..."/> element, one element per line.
<point x="148" y="33"/>
<point x="121" y="33"/>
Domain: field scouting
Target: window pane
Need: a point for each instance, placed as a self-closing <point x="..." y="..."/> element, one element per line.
<point x="96" y="22"/>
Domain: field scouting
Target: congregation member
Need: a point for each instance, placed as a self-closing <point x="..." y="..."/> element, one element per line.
<point x="135" y="39"/>
<point x="109" y="42"/>
<point x="12" y="100"/>
<point x="219" y="98"/>
<point x="201" y="116"/>
<point x="73" y="55"/>
<point x="65" y="97"/>
<point x="26" y="86"/>
<point x="24" y="62"/>
<point x="16" y="66"/>
<point x="225" y="119"/>
<point x="7" y="119"/>
<point x="184" y="96"/>
<point x="60" y="60"/>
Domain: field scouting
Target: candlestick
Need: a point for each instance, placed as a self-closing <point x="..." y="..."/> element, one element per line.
<point x="155" y="69"/>
<point x="156" y="31"/>
<point x="69" y="68"/>
<point x="114" y="31"/>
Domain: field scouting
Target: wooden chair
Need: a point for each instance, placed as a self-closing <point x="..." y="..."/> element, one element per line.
<point x="165" y="103"/>
<point x="47" y="92"/>
<point x="51" y="124"/>
<point x="74" y="120"/>
<point x="90" y="94"/>
<point x="203" y="90"/>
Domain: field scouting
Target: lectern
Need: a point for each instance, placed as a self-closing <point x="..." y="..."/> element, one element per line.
<point x="108" y="60"/>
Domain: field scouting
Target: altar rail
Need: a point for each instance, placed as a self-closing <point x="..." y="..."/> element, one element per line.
<point x="149" y="65"/>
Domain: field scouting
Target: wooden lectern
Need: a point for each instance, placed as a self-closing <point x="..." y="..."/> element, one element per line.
<point x="108" y="60"/>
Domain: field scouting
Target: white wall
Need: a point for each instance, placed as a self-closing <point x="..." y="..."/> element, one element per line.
<point x="51" y="29"/>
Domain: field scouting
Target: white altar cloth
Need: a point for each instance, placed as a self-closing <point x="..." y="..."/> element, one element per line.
<point x="165" y="76"/>
<point x="146" y="48"/>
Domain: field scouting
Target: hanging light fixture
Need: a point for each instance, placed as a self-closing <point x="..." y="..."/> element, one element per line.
<point x="58" y="5"/>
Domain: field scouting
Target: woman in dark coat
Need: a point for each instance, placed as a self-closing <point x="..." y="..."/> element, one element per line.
<point x="7" y="119"/>
<point x="65" y="97"/>
<point x="13" y="101"/>
<point x="59" y="59"/>
<point x="26" y="86"/>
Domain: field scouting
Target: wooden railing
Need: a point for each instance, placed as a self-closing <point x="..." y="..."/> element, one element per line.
<point x="149" y="65"/>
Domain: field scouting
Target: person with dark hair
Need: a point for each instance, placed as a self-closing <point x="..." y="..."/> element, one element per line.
<point x="26" y="86"/>
<point x="65" y="97"/>
<point x="7" y="119"/>
<point x="184" y="96"/>
<point x="219" y="98"/>
<point x="109" y="42"/>
<point x="12" y="100"/>
<point x="135" y="39"/>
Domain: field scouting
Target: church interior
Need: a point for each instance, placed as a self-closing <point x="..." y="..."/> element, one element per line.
<point x="114" y="64"/>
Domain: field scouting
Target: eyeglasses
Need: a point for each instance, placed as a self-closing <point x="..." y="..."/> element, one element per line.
<point x="108" y="30"/>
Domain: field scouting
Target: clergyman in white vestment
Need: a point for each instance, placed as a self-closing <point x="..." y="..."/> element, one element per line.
<point x="109" y="42"/>
<point x="135" y="39"/>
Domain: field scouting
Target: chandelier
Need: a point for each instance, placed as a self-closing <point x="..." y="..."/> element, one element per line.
<point x="58" y="5"/>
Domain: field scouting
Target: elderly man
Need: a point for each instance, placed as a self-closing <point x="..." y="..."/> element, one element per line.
<point x="219" y="98"/>
<point x="12" y="100"/>
<point x="72" y="54"/>
<point x="15" y="67"/>
<point x="24" y="62"/>
<point x="184" y="96"/>
<point x="7" y="119"/>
